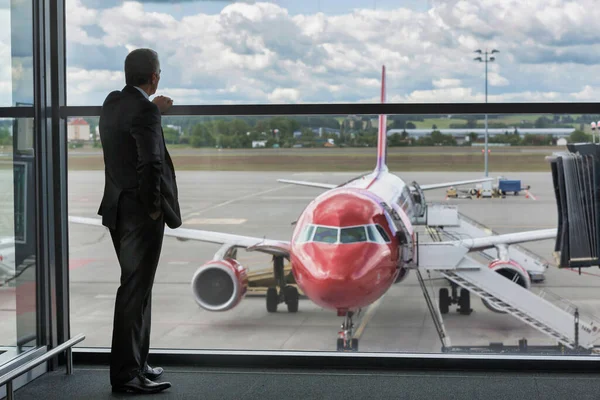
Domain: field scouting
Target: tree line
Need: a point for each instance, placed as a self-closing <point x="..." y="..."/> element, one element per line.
<point x="350" y="131"/>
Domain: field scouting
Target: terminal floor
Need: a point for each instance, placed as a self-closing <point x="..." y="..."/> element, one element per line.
<point x="92" y="382"/>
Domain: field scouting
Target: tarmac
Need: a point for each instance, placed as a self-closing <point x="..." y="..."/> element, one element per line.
<point x="254" y="203"/>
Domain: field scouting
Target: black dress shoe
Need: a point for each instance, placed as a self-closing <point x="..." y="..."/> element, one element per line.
<point x="153" y="373"/>
<point x="141" y="384"/>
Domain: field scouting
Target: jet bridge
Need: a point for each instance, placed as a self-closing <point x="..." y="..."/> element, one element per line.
<point x="568" y="326"/>
<point x="576" y="179"/>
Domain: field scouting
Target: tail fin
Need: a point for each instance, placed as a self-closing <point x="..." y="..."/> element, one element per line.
<point x="382" y="134"/>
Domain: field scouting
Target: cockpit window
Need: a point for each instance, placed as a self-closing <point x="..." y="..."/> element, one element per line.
<point x="377" y="234"/>
<point x="353" y="235"/>
<point x="326" y="234"/>
<point x="383" y="233"/>
<point x="306" y="234"/>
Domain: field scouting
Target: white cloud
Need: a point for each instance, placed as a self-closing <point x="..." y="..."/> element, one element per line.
<point x="260" y="53"/>
<point x="444" y="83"/>
<point x="282" y="95"/>
<point x="494" y="79"/>
<point x="82" y="82"/>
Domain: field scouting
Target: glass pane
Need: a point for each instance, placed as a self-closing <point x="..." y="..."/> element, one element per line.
<point x="233" y="188"/>
<point x="375" y="234"/>
<point x="18" y="268"/>
<point x="331" y="51"/>
<point x="353" y="235"/>
<point x="306" y="233"/>
<point x="382" y="232"/>
<point x="326" y="235"/>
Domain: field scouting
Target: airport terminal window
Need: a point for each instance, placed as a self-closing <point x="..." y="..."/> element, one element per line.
<point x="354" y="234"/>
<point x="94" y="28"/>
<point x="94" y="272"/>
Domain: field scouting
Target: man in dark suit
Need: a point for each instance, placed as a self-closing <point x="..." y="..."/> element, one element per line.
<point x="140" y="196"/>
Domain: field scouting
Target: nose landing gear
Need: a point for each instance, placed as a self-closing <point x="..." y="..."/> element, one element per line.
<point x="346" y="341"/>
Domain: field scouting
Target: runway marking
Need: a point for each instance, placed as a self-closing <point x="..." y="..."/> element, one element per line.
<point x="248" y="196"/>
<point x="77" y="263"/>
<point x="216" y="221"/>
<point x="105" y="296"/>
<point x="529" y="194"/>
<point x="368" y="315"/>
<point x="582" y="272"/>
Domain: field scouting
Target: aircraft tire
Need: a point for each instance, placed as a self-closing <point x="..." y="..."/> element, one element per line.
<point x="465" y="302"/>
<point x="353" y="346"/>
<point x="291" y="298"/>
<point x="444" y="301"/>
<point x="272" y="300"/>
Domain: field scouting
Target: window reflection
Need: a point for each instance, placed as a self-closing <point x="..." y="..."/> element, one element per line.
<point x="353" y="235"/>
<point x="326" y="235"/>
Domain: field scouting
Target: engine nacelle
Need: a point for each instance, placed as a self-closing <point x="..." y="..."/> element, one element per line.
<point x="220" y="285"/>
<point x="401" y="275"/>
<point x="510" y="270"/>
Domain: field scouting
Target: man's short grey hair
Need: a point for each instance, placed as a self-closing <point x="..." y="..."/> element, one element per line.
<point x="140" y="64"/>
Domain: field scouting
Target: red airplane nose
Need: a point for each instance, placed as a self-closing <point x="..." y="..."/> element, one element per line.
<point x="343" y="277"/>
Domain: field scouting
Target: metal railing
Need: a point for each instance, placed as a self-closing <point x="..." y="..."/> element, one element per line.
<point x="66" y="346"/>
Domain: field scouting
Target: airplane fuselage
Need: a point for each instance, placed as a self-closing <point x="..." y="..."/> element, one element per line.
<point x="346" y="248"/>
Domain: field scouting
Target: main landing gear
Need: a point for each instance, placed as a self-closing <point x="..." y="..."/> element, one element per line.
<point x="345" y="341"/>
<point x="287" y="294"/>
<point x="464" y="301"/>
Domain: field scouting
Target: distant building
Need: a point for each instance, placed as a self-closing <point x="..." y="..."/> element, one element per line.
<point x="259" y="143"/>
<point x="78" y="130"/>
<point x="554" y="132"/>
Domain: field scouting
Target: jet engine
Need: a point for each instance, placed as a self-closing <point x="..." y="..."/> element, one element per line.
<point x="510" y="270"/>
<point x="220" y="285"/>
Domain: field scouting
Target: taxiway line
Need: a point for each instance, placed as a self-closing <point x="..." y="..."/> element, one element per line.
<point x="248" y="196"/>
<point x="368" y="315"/>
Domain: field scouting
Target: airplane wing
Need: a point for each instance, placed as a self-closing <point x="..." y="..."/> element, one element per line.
<point x="442" y="255"/>
<point x="269" y="246"/>
<point x="486" y="242"/>
<point x="455" y="183"/>
<point x="313" y="184"/>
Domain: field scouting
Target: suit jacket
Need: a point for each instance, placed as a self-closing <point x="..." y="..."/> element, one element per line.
<point x="136" y="160"/>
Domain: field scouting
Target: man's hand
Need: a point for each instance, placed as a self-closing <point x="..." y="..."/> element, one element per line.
<point x="163" y="103"/>
<point x="155" y="215"/>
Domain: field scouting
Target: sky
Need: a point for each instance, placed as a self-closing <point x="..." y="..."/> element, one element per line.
<point x="321" y="51"/>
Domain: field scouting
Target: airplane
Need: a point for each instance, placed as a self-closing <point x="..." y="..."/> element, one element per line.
<point x="348" y="247"/>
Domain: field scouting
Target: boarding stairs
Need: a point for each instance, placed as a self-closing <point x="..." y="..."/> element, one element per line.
<point x="570" y="328"/>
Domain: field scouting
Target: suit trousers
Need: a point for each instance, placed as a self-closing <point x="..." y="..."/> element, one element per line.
<point x="137" y="240"/>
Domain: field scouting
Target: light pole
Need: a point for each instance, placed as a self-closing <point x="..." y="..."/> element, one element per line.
<point x="486" y="60"/>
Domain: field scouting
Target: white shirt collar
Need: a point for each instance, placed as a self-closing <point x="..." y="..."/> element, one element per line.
<point x="144" y="93"/>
